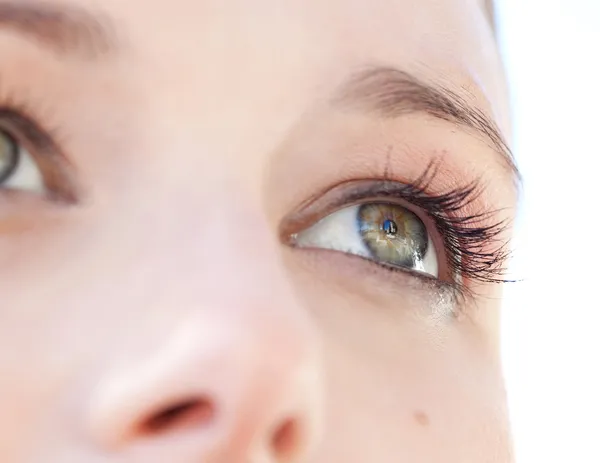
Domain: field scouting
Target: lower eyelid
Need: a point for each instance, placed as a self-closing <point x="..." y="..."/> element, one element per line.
<point x="377" y="269"/>
<point x="27" y="209"/>
<point x="377" y="283"/>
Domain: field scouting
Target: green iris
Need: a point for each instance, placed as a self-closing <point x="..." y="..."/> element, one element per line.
<point x="393" y="234"/>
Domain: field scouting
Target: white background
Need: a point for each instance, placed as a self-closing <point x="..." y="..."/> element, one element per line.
<point x="552" y="319"/>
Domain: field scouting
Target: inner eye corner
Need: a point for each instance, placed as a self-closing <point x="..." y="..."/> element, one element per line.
<point x="288" y="230"/>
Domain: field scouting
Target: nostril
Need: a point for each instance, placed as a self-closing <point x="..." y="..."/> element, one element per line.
<point x="190" y="413"/>
<point x="286" y="440"/>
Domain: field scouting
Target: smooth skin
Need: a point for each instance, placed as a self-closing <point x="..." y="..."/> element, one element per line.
<point x="160" y="315"/>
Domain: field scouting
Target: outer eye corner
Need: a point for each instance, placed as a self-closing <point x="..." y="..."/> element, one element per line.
<point x="23" y="171"/>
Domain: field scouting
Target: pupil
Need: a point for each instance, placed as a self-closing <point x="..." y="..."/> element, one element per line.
<point x="390" y="227"/>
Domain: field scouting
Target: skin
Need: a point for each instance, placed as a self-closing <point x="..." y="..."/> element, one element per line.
<point x="168" y="282"/>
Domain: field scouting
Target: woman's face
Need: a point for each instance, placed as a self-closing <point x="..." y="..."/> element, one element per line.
<point x="266" y="231"/>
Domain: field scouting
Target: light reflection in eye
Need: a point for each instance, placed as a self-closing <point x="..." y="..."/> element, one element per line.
<point x="393" y="234"/>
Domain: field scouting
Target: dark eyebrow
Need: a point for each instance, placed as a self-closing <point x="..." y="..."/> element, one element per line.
<point x="391" y="93"/>
<point x="65" y="29"/>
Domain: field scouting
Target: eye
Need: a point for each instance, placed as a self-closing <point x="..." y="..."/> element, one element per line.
<point x="18" y="170"/>
<point x="383" y="232"/>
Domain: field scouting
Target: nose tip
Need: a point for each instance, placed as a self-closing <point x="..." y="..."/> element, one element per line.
<point x="223" y="397"/>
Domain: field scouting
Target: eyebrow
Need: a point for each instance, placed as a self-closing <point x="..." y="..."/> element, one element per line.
<point x="391" y="93"/>
<point x="65" y="29"/>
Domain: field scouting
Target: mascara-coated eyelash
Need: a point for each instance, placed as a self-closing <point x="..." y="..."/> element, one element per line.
<point x="473" y="248"/>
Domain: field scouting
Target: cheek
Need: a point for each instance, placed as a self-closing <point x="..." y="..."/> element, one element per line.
<point x="401" y="380"/>
<point x="423" y="405"/>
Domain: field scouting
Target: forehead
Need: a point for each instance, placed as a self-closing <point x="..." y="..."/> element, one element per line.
<point x="300" y="48"/>
<point x="311" y="44"/>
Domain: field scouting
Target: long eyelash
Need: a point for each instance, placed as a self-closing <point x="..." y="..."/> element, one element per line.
<point x="475" y="249"/>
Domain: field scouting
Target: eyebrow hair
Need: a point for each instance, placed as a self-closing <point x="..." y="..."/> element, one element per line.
<point x="391" y="93"/>
<point x="65" y="29"/>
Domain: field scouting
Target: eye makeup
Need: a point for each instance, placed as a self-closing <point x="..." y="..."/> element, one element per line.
<point x="471" y="244"/>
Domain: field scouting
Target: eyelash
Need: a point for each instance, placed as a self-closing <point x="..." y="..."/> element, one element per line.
<point x="474" y="247"/>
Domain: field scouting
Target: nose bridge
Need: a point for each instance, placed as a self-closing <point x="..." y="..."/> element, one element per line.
<point x="207" y="245"/>
<point x="222" y="256"/>
<point x="244" y="254"/>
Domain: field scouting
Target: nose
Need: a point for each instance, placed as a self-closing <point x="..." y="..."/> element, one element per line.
<point x="218" y="390"/>
<point x="216" y="360"/>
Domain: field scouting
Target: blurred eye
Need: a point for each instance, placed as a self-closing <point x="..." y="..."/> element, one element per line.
<point x="386" y="233"/>
<point x="18" y="170"/>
